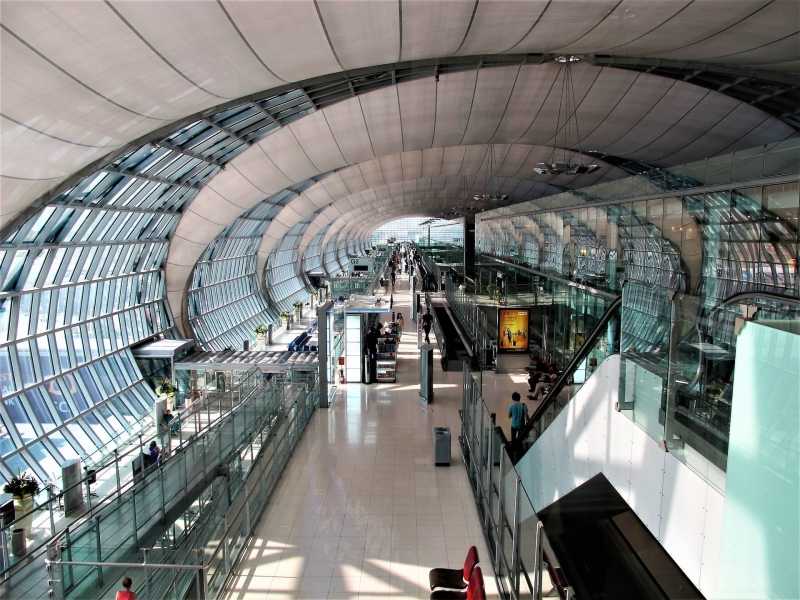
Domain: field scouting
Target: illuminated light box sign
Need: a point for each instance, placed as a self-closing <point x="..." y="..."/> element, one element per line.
<point x="512" y="327"/>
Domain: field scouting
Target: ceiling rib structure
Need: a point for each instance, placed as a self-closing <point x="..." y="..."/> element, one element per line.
<point x="631" y="115"/>
<point x="136" y="134"/>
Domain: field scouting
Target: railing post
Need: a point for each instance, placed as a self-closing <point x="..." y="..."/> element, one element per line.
<point x="163" y="496"/>
<point x="135" y="526"/>
<point x="515" y="540"/>
<point x="489" y="491"/>
<point x="224" y="540"/>
<point x="50" y="509"/>
<point x="69" y="558"/>
<point x="146" y="575"/>
<point x="99" y="552"/>
<point x="537" y="563"/>
<point x="500" y="513"/>
<point x="199" y="579"/>
<point x="116" y="467"/>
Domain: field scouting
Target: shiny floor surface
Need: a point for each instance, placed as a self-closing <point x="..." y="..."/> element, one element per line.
<point x="361" y="511"/>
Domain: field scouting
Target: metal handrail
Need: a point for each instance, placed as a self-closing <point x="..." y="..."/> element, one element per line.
<point x="54" y="501"/>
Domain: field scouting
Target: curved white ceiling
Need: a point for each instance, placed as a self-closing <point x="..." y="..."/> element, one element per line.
<point x="82" y="78"/>
<point x="638" y="116"/>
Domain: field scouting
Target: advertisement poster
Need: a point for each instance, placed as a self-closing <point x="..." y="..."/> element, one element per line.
<point x="513" y="329"/>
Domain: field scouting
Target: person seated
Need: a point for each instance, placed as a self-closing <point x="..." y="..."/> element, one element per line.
<point x="545" y="384"/>
<point x="535" y="371"/>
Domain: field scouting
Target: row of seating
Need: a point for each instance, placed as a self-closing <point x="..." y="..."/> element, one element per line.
<point x="301" y="341"/>
<point x="459" y="584"/>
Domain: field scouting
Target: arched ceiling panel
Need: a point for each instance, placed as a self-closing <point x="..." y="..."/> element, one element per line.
<point x="362" y="33"/>
<point x="563" y="23"/>
<point x="286" y="151"/>
<point x="88" y="77"/>
<point x="274" y="36"/>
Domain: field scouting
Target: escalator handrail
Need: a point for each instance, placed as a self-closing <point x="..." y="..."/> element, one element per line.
<point x="577" y="359"/>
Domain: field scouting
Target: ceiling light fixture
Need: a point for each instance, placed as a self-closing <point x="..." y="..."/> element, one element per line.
<point x="570" y="106"/>
<point x="491" y="173"/>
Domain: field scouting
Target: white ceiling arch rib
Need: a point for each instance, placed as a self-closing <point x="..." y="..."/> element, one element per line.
<point x="451" y="176"/>
<point x="81" y="79"/>
<point x="677" y="120"/>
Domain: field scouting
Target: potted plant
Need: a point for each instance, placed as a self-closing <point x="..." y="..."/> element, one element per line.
<point x="298" y="309"/>
<point x="286" y="316"/>
<point x="23" y="487"/>
<point x="490" y="289"/>
<point x="313" y="296"/>
<point x="167" y="389"/>
<point x="261" y="331"/>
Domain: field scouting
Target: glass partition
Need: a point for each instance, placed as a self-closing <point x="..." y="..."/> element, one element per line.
<point x="525" y="565"/>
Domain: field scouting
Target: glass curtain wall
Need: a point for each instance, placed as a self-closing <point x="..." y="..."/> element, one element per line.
<point x="676" y="260"/>
<point x="82" y="280"/>
<point x="412" y="229"/>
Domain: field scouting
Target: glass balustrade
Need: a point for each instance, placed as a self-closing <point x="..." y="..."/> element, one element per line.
<point x="523" y="560"/>
<point x="200" y="550"/>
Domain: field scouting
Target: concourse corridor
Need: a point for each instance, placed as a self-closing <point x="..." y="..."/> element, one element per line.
<point x="361" y="511"/>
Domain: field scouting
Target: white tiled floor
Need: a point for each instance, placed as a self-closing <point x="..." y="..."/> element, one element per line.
<point x="361" y="511"/>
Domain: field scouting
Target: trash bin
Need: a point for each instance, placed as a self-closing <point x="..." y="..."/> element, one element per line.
<point x="441" y="446"/>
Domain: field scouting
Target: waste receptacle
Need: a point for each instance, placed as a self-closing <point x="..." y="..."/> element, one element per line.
<point x="441" y="446"/>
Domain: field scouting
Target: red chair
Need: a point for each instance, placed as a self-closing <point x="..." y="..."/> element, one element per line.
<point x="455" y="579"/>
<point x="474" y="591"/>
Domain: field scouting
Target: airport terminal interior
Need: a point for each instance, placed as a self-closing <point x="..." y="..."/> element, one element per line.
<point x="388" y="299"/>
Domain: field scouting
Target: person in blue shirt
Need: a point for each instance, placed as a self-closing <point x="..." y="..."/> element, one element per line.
<point x="518" y="413"/>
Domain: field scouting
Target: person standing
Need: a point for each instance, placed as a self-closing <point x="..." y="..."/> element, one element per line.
<point x="400" y="323"/>
<point x="125" y="593"/>
<point x="394" y="277"/>
<point x="518" y="413"/>
<point x="372" y="350"/>
<point x="427" y="321"/>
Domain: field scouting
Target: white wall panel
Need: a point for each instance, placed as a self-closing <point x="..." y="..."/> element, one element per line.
<point x="589" y="437"/>
<point x="647" y="480"/>
<point x="530" y="91"/>
<point x="712" y="542"/>
<point x="682" y="516"/>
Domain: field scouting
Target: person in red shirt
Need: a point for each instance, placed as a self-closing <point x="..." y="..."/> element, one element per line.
<point x="126" y="593"/>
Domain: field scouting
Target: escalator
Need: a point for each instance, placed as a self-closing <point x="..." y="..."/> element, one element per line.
<point x="451" y="345"/>
<point x="601" y="341"/>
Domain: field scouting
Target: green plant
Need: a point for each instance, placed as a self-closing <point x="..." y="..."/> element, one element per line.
<point x="490" y="289"/>
<point x="165" y="387"/>
<point x="298" y="304"/>
<point x="22" y="484"/>
<point x="261" y="329"/>
<point x="286" y="315"/>
<point x="314" y="293"/>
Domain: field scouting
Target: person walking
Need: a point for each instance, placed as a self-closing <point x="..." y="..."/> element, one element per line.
<point x="394" y="277"/>
<point x="125" y="593"/>
<point x="427" y="321"/>
<point x="400" y="323"/>
<point x="518" y="413"/>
